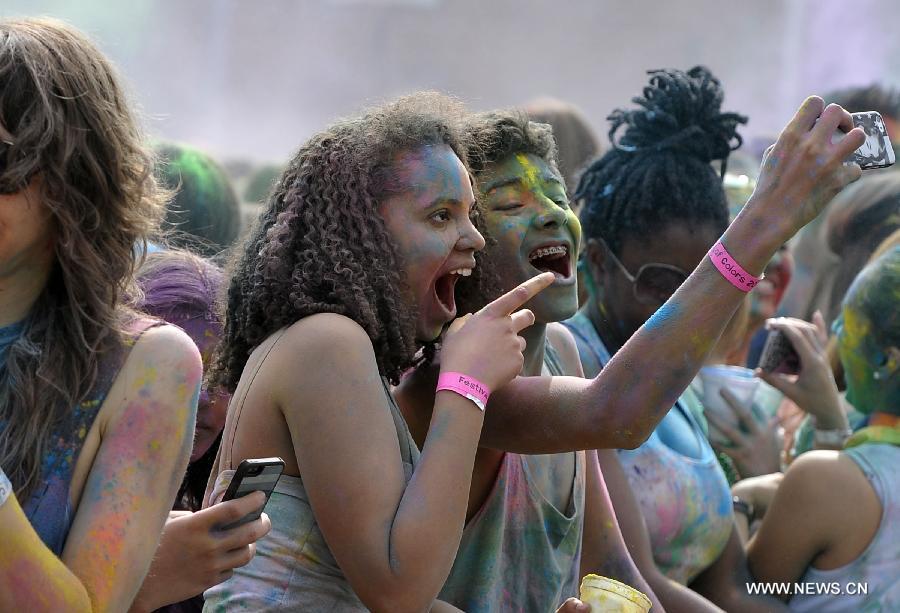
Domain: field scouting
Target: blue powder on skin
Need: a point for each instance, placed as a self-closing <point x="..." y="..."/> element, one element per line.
<point x="663" y="315"/>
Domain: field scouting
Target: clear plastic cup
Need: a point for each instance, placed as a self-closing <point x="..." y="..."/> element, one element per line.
<point x="607" y="595"/>
<point x="738" y="380"/>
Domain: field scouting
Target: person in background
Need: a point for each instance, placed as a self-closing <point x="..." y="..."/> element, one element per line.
<point x="536" y="523"/>
<point x="653" y="207"/>
<point x="194" y="554"/>
<point x="97" y="403"/>
<point x="835" y="517"/>
<point x="204" y="215"/>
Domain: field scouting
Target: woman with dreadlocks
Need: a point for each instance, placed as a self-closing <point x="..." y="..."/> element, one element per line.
<point x="653" y="207"/>
<point x="96" y="403"/>
<point x="349" y="273"/>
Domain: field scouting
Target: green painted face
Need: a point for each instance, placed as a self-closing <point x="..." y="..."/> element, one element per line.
<point x="864" y="346"/>
<point x="526" y="209"/>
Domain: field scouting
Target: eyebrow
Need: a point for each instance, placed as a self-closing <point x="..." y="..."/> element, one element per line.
<point x="517" y="180"/>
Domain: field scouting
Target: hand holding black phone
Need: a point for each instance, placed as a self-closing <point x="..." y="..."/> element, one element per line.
<point x="253" y="475"/>
<point x="778" y="355"/>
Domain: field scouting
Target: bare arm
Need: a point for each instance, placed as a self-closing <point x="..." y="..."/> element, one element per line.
<point x="145" y="445"/>
<point x="622" y="405"/>
<point x="807" y="519"/>
<point x="603" y="550"/>
<point x="725" y="582"/>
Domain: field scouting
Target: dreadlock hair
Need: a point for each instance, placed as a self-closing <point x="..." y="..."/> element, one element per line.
<point x="493" y="137"/>
<point x="64" y="116"/>
<point x="320" y="246"/>
<point x="660" y="170"/>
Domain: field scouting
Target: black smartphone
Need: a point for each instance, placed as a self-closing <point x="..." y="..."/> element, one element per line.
<point x="779" y="355"/>
<point x="877" y="151"/>
<point x="253" y="475"/>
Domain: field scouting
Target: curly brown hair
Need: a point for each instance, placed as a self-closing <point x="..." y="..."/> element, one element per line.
<point x="64" y="118"/>
<point x="492" y="137"/>
<point x="320" y="246"/>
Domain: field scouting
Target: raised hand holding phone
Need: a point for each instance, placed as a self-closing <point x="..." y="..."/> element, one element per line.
<point x="813" y="388"/>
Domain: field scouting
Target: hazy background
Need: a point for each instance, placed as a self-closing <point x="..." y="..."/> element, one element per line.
<point x="253" y="79"/>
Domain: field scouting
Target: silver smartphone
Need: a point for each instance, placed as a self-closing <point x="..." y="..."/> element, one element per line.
<point x="877" y="151"/>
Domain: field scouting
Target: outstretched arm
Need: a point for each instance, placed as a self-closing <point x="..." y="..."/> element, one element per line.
<point x="146" y="440"/>
<point x="603" y="550"/>
<point x="622" y="405"/>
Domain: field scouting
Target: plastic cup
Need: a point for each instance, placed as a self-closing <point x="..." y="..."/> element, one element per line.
<point x="738" y="380"/>
<point x="607" y="595"/>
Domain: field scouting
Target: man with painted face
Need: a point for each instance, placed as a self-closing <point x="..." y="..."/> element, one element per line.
<point x="535" y="523"/>
<point x="805" y="535"/>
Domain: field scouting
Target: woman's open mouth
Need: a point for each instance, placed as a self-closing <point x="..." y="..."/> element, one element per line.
<point x="444" y="290"/>
<point x="553" y="259"/>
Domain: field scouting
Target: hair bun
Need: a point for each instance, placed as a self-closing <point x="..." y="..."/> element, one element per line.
<point x="679" y="112"/>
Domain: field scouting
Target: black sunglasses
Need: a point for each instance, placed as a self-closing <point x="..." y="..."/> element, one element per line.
<point x="654" y="283"/>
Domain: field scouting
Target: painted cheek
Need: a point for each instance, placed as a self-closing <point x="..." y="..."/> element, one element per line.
<point x="574" y="227"/>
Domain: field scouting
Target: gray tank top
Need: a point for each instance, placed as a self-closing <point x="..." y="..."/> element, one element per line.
<point x="871" y="582"/>
<point x="293" y="569"/>
<point x="520" y="552"/>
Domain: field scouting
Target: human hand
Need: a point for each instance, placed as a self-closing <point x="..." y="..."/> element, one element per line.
<point x="573" y="605"/>
<point x="804" y="170"/>
<point x="755" y="448"/>
<point x="813" y="389"/>
<point x="758" y="491"/>
<point x="194" y="554"/>
<point x="486" y="345"/>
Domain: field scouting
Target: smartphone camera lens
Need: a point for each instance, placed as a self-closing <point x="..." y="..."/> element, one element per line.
<point x="255" y="470"/>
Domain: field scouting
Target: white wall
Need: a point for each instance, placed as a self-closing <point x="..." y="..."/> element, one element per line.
<point x="253" y="78"/>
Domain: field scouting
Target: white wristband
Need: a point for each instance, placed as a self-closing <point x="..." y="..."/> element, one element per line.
<point x="6" y="488"/>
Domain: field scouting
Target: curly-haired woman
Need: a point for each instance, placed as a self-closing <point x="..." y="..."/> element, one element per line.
<point x="96" y="403"/>
<point x="350" y="271"/>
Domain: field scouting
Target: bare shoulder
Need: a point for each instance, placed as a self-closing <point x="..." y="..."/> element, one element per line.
<point x="564" y="343"/>
<point x="319" y="352"/>
<point x="828" y="479"/>
<point x="166" y="344"/>
<point x="327" y="332"/>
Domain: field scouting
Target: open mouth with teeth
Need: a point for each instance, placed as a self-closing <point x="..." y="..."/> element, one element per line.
<point x="444" y="288"/>
<point x="554" y="259"/>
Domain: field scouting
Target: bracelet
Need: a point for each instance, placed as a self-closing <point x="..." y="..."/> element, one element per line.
<point x="832" y="438"/>
<point x="465" y="386"/>
<point x="6" y="488"/>
<point x="731" y="270"/>
<point x="743" y="507"/>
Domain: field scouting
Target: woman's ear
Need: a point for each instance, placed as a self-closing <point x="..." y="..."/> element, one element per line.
<point x="595" y="258"/>
<point x="891" y="365"/>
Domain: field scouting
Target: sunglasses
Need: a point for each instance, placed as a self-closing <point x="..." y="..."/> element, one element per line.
<point x="654" y="283"/>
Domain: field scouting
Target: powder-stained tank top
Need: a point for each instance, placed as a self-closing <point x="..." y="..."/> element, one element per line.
<point x="293" y="569"/>
<point x="519" y="553"/>
<point x="49" y="508"/>
<point x="878" y="566"/>
<point x="685" y="501"/>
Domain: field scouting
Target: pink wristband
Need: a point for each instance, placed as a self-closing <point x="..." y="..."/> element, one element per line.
<point x="466" y="386"/>
<point x="731" y="270"/>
